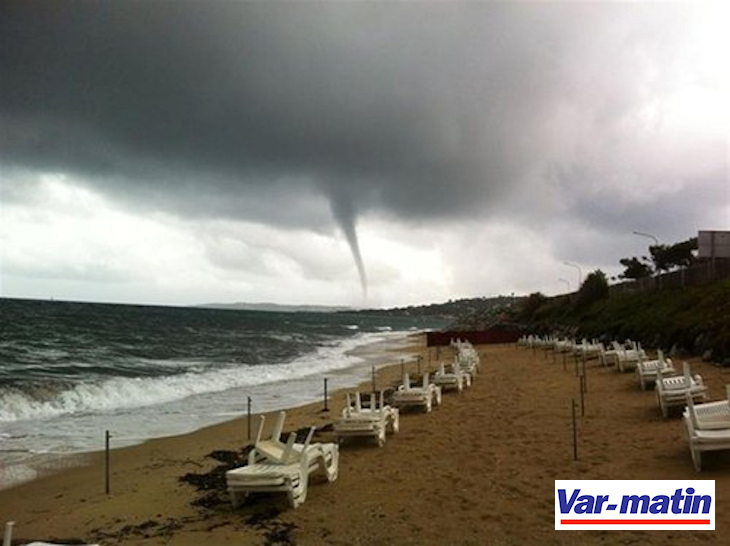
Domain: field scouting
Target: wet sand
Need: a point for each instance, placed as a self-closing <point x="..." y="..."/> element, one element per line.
<point x="480" y="469"/>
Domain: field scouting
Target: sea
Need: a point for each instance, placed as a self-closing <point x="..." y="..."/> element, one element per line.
<point x="70" y="372"/>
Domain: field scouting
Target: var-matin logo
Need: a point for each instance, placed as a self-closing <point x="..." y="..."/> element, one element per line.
<point x="635" y="504"/>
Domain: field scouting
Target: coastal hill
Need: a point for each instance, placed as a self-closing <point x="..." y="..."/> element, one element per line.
<point x="274" y="307"/>
<point x="454" y="310"/>
<point x="450" y="310"/>
<point x="691" y="319"/>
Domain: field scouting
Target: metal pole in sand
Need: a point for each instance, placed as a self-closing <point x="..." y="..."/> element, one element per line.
<point x="325" y="395"/>
<point x="575" y="432"/>
<point x="585" y="378"/>
<point x="419" y="364"/>
<point x="373" y="373"/>
<point x="402" y="368"/>
<point x="107" y="487"/>
<point x="248" y="416"/>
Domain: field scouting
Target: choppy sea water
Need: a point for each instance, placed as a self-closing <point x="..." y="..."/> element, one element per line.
<point x="71" y="371"/>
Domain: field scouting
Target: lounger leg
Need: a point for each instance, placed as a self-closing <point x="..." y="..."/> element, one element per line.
<point x="333" y="468"/>
<point x="8" y="538"/>
<point x="234" y="497"/>
<point x="696" y="458"/>
<point x="395" y="421"/>
<point x="297" y="491"/>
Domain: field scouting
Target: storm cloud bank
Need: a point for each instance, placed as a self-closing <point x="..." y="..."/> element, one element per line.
<point x="414" y="111"/>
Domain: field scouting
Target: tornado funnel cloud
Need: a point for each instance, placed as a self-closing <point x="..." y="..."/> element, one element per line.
<point x="344" y="214"/>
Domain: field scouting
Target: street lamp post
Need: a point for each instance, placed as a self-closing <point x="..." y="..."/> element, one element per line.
<point x="658" y="278"/>
<point x="580" y="272"/>
<point x="649" y="235"/>
<point x="567" y="283"/>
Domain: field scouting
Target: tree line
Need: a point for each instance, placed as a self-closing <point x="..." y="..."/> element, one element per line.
<point x="662" y="258"/>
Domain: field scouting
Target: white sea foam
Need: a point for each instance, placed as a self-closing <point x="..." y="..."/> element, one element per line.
<point x="51" y="436"/>
<point x="126" y="393"/>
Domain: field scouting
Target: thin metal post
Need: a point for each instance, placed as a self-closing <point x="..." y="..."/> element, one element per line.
<point x="419" y="365"/>
<point x="248" y="416"/>
<point x="325" y="395"/>
<point x="575" y="432"/>
<point x="107" y="485"/>
<point x="373" y="374"/>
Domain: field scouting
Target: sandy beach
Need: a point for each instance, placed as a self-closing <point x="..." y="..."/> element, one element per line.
<point x="480" y="469"/>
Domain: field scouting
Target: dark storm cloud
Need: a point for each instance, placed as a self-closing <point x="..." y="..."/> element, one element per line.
<point x="407" y="101"/>
<point x="245" y="109"/>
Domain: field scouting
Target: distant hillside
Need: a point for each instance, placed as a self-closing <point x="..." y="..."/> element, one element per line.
<point x="275" y="307"/>
<point x="452" y="309"/>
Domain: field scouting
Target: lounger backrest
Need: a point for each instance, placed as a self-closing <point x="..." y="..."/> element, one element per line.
<point x="358" y="402"/>
<point x="308" y="439"/>
<point x="425" y="380"/>
<point x="289" y="454"/>
<point x="278" y="427"/>
<point x="259" y="432"/>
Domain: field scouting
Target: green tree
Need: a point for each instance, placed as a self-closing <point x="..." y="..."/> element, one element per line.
<point x="530" y="305"/>
<point x="594" y="288"/>
<point x="667" y="257"/>
<point x="635" y="268"/>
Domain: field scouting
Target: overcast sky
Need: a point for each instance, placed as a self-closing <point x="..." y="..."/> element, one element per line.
<point x="352" y="153"/>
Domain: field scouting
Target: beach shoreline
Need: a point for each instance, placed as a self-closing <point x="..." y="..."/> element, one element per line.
<point x="371" y="353"/>
<point x="62" y="472"/>
<point x="479" y="469"/>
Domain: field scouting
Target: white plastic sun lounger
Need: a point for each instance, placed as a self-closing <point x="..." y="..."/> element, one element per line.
<point x="276" y="467"/>
<point x="628" y="358"/>
<point x="608" y="357"/>
<point x="424" y="396"/>
<point x="646" y="370"/>
<point x="373" y="421"/>
<point x="673" y="391"/>
<point x="455" y="379"/>
<point x="707" y="428"/>
<point x="466" y="357"/>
